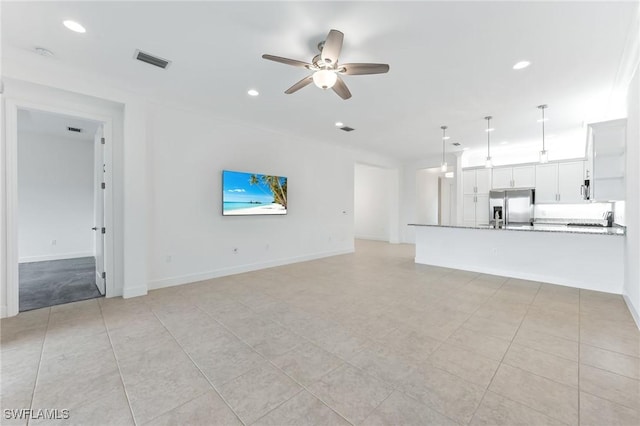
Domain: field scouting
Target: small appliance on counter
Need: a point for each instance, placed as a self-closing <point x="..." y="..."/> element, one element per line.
<point x="511" y="207"/>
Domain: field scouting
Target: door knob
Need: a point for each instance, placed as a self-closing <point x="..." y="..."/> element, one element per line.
<point x="95" y="228"/>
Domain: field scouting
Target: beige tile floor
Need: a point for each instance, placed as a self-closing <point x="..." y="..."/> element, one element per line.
<point x="368" y="338"/>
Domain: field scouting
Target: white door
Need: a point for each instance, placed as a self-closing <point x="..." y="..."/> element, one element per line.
<point x="483" y="181"/>
<point x="570" y="180"/>
<point x="468" y="181"/>
<point x="502" y="178"/>
<point x="524" y="177"/>
<point x="469" y="208"/>
<point x="547" y="183"/>
<point x="482" y="209"/>
<point x="98" y="209"/>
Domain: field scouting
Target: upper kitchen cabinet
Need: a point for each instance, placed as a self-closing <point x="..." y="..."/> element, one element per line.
<point x="476" y="181"/>
<point x="476" y="184"/>
<point x="514" y="177"/>
<point x="559" y="182"/>
<point x="606" y="153"/>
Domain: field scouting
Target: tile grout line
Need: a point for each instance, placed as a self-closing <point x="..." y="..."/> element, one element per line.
<point x="35" y="383"/>
<point x="579" y="348"/>
<point x="278" y="368"/>
<point x="199" y="369"/>
<point x="507" y="351"/>
<point x="124" y="387"/>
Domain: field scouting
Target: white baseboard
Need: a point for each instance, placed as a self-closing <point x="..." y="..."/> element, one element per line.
<point x="191" y="278"/>
<point x="128" y="293"/>
<point x="632" y="309"/>
<point x="47" y="257"/>
<point x="371" y="237"/>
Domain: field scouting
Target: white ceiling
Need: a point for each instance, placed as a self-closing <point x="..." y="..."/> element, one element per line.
<point x="46" y="123"/>
<point x="451" y="62"/>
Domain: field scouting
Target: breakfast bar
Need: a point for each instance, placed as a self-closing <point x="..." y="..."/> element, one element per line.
<point x="583" y="257"/>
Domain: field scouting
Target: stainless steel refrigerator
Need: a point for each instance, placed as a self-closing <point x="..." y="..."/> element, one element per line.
<point x="511" y="207"/>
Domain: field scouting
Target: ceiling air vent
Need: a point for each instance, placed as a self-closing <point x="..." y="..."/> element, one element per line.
<point x="74" y="129"/>
<point x="347" y="129"/>
<point x="152" y="60"/>
<point x="456" y="144"/>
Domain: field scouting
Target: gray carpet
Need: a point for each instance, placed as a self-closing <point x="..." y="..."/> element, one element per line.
<point x="56" y="282"/>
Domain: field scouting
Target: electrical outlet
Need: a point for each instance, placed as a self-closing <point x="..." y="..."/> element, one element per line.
<point x="54" y="242"/>
<point x="235" y="250"/>
<point x="168" y="259"/>
<point x="494" y="251"/>
<point x="266" y="247"/>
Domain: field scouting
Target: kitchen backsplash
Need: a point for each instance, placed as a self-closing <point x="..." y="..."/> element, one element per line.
<point x="574" y="211"/>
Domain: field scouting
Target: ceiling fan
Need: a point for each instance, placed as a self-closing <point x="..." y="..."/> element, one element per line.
<point x="326" y="69"/>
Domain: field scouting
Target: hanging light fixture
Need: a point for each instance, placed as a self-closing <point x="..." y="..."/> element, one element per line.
<point x="544" y="155"/>
<point x="443" y="166"/>
<point x="488" y="164"/>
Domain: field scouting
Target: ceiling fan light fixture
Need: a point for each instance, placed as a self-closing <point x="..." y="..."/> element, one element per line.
<point x="325" y="79"/>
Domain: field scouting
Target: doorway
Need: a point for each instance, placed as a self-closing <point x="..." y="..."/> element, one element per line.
<point x="435" y="197"/>
<point x="60" y="208"/>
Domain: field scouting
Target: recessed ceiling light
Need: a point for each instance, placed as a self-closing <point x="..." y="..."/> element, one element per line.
<point x="504" y="142"/>
<point x="466" y="148"/>
<point x="339" y="124"/>
<point x="253" y="92"/>
<point x="521" y="65"/>
<point x="74" y="26"/>
<point x="540" y="120"/>
<point x="489" y="130"/>
<point x="446" y="138"/>
<point x="43" y="52"/>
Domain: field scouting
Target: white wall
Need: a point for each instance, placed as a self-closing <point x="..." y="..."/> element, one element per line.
<point x="373" y="191"/>
<point x="409" y="211"/>
<point x="190" y="239"/>
<point x="427" y="189"/>
<point x="632" y="214"/>
<point x="55" y="197"/>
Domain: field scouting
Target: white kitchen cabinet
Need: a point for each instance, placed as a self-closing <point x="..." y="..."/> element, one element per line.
<point x="476" y="185"/>
<point x="476" y="181"/>
<point x="547" y="183"/>
<point x="514" y="177"/>
<point x="559" y="182"/>
<point x="570" y="181"/>
<point x="468" y="181"/>
<point x="475" y="209"/>
<point x="502" y="177"/>
<point x="606" y="149"/>
<point x="482" y="209"/>
<point x="483" y="181"/>
<point x="524" y="177"/>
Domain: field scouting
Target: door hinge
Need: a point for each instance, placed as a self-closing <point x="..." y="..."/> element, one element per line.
<point x="102" y="141"/>
<point x="104" y="275"/>
<point x="103" y="185"/>
<point x="104" y="230"/>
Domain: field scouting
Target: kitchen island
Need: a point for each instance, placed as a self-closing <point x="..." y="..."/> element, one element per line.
<point x="583" y="257"/>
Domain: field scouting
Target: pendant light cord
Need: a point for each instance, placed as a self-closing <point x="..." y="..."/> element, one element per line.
<point x="444" y="130"/>
<point x="488" y="136"/>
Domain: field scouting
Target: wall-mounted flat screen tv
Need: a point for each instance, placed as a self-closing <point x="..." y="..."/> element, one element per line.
<point x="253" y="194"/>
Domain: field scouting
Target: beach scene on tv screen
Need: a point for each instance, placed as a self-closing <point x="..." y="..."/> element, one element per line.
<point x="253" y="194"/>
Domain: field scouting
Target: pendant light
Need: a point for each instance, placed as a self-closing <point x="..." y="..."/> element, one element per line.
<point x="488" y="164"/>
<point x="544" y="155"/>
<point x="443" y="166"/>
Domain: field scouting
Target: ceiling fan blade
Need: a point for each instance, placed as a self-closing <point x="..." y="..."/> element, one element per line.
<point x="341" y="89"/>
<point x="287" y="61"/>
<point x="332" y="47"/>
<point x="299" y="85"/>
<point x="361" y="69"/>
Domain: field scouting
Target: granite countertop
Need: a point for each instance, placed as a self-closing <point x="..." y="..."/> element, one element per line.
<point x="544" y="227"/>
